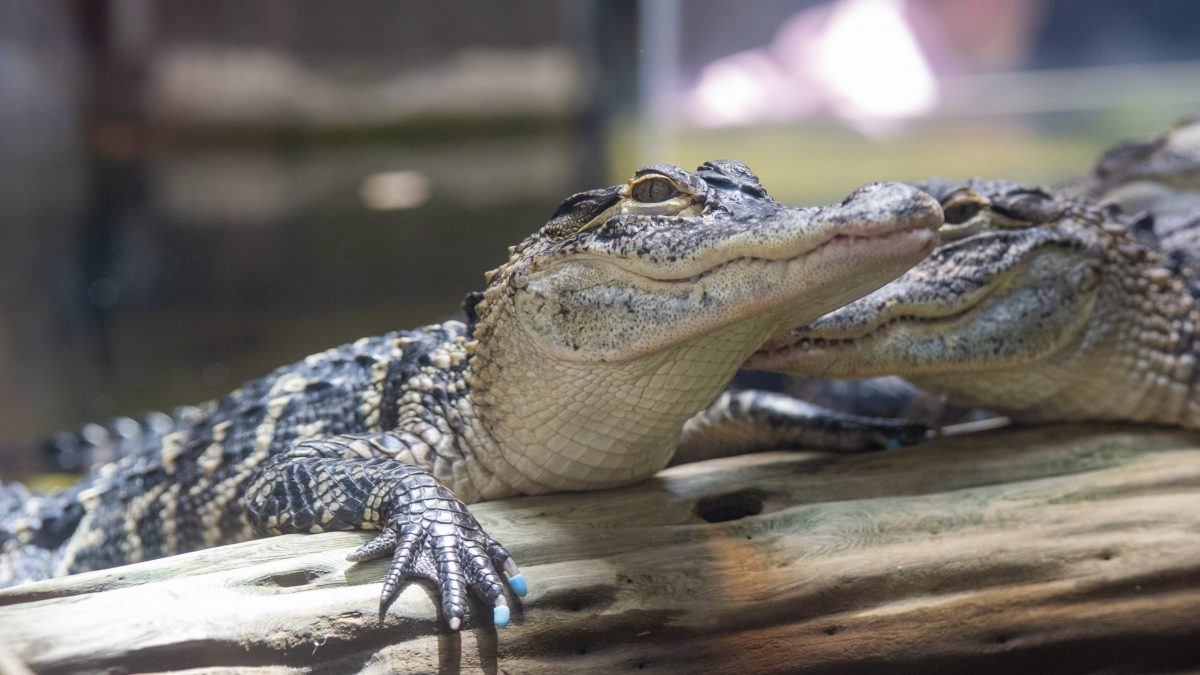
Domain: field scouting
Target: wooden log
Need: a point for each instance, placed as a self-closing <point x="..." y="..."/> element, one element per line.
<point x="1065" y="549"/>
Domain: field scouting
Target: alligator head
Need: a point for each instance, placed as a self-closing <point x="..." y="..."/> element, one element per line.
<point x="1036" y="305"/>
<point x="1161" y="175"/>
<point x="1138" y="174"/>
<point x="633" y="307"/>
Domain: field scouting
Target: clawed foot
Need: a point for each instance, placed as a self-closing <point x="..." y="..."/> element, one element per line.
<point x="430" y="534"/>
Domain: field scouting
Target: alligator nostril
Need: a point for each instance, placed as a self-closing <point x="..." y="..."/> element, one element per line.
<point x="730" y="506"/>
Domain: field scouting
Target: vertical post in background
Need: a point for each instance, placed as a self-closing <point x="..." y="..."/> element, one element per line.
<point x="117" y="39"/>
<point x="603" y="33"/>
<point x="42" y="184"/>
<point x="659" y="24"/>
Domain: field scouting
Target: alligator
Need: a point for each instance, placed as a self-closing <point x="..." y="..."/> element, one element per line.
<point x="1161" y="175"/>
<point x="1038" y="305"/>
<point x="602" y="333"/>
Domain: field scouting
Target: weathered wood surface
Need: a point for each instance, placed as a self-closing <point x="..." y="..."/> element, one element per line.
<point x="1059" y="549"/>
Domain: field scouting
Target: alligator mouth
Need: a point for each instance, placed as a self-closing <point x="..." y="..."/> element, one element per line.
<point x="845" y="336"/>
<point x="809" y="344"/>
<point x="891" y="237"/>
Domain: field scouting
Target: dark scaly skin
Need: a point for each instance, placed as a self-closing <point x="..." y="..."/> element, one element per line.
<point x="368" y="491"/>
<point x="325" y="466"/>
<point x="591" y="346"/>
<point x="98" y="444"/>
<point x="750" y="420"/>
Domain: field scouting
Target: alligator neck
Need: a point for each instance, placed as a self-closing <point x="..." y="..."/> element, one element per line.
<point x="550" y="425"/>
<point x="1149" y="354"/>
<point x="1135" y="362"/>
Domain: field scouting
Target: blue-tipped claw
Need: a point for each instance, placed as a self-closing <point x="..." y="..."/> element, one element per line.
<point x="517" y="583"/>
<point x="893" y="444"/>
<point x="500" y="616"/>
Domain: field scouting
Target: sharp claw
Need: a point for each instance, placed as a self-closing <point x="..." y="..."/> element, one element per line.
<point x="391" y="584"/>
<point x="454" y="622"/>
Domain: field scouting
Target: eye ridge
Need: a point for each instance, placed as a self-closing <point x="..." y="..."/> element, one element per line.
<point x="654" y="189"/>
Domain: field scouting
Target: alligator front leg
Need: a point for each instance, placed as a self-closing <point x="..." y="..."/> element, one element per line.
<point x="752" y="420"/>
<point x="355" y="482"/>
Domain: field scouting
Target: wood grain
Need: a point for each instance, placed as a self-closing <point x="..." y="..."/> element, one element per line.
<point x="1066" y="549"/>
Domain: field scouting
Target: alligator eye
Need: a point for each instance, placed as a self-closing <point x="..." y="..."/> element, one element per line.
<point x="653" y="189"/>
<point x="961" y="212"/>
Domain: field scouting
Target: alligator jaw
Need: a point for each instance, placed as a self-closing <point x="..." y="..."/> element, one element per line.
<point x="845" y="342"/>
<point x="818" y="276"/>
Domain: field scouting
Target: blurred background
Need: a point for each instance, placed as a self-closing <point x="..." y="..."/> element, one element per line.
<point x="193" y="193"/>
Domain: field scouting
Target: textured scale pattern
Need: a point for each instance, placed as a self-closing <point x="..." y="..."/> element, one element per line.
<point x="301" y="450"/>
<point x="592" y="344"/>
<point x="1041" y="306"/>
